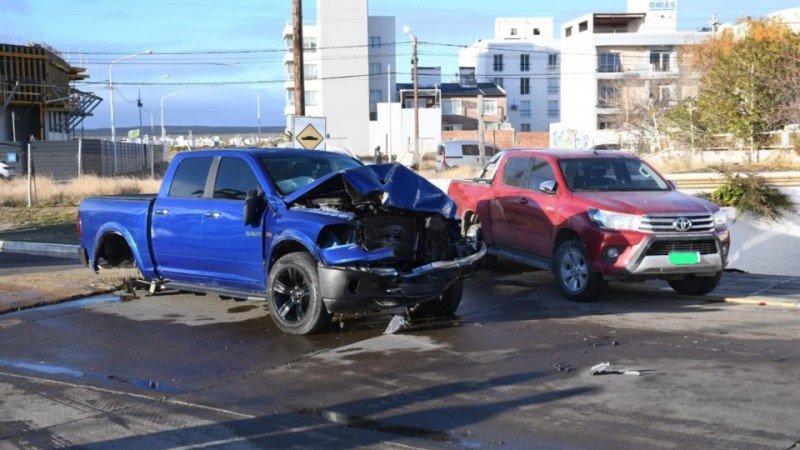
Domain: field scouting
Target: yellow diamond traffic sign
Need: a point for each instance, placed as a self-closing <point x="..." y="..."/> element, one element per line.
<point x="309" y="138"/>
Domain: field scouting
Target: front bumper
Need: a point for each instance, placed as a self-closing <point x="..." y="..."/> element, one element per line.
<point x="348" y="289"/>
<point x="645" y="262"/>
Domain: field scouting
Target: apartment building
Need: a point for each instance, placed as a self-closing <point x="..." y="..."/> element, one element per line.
<point x="347" y="57"/>
<point x="524" y="60"/>
<point x="613" y="64"/>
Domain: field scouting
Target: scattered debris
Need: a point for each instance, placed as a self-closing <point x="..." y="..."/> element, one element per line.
<point x="604" y="369"/>
<point x="561" y="367"/>
<point x="397" y="324"/>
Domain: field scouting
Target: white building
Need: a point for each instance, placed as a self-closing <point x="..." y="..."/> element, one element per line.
<point x="347" y="55"/>
<point x="523" y="58"/>
<point x="611" y="61"/>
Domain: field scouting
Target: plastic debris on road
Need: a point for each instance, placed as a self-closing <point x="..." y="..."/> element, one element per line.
<point x="605" y="369"/>
<point x="397" y="324"/>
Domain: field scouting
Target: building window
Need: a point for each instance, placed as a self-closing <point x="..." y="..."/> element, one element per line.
<point x="568" y="32"/>
<point x="552" y="61"/>
<point x="497" y="63"/>
<point x="524" y="63"/>
<point x="552" y="108"/>
<point x="290" y="71"/>
<point x="498" y="81"/>
<point x="583" y="26"/>
<point x="311" y="98"/>
<point x="603" y="124"/>
<point x="607" y="96"/>
<point x="375" y="41"/>
<point x="288" y="42"/>
<point x="374" y="68"/>
<point x="659" y="61"/>
<point x="609" y="62"/>
<point x="525" y="108"/>
<point x="513" y="31"/>
<point x="552" y="86"/>
<point x="451" y="107"/>
<point x="375" y="96"/>
<point x="290" y="97"/>
<point x="452" y="127"/>
<point x="524" y="86"/>
<point x="490" y="107"/>
<point x="310" y="44"/>
<point x="524" y="127"/>
<point x="536" y="32"/>
<point x="310" y="71"/>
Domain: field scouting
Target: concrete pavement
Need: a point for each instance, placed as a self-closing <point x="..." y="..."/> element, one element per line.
<point x="25" y="290"/>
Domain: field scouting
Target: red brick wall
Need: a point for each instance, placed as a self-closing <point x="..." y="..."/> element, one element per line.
<point x="503" y="138"/>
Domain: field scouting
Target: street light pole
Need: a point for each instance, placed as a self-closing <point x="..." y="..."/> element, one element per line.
<point x="415" y="62"/>
<point x="111" y="101"/>
<point x="163" y="130"/>
<point x="139" y="101"/>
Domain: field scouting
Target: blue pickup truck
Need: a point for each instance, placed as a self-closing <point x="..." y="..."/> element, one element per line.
<point x="315" y="234"/>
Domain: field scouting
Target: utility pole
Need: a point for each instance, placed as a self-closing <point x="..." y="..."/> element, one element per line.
<point x="297" y="45"/>
<point x="415" y="62"/>
<point x="481" y="137"/>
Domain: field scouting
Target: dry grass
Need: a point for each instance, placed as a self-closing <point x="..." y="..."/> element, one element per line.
<point x="47" y="192"/>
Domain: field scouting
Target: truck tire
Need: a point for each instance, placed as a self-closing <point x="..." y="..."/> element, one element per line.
<point x="444" y="306"/>
<point x="573" y="273"/>
<point x="693" y="285"/>
<point x="295" y="302"/>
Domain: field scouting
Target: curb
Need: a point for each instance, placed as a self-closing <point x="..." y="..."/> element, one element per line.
<point x="40" y="248"/>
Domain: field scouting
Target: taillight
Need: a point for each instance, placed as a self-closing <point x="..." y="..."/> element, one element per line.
<point x="78" y="225"/>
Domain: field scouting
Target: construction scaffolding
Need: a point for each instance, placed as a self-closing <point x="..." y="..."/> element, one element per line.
<point x="37" y="99"/>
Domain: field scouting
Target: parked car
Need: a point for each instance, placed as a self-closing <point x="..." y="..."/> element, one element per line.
<point x="313" y="233"/>
<point x="7" y="170"/>
<point x="591" y="217"/>
<point x="451" y="154"/>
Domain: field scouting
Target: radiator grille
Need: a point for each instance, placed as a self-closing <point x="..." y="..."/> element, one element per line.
<point x="667" y="223"/>
<point x="704" y="247"/>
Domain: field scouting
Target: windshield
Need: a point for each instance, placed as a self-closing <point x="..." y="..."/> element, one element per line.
<point x="290" y="173"/>
<point x="610" y="174"/>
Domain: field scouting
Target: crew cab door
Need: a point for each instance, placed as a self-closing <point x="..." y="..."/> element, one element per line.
<point x="233" y="252"/>
<point x="507" y="206"/>
<point x="177" y="222"/>
<point x="539" y="210"/>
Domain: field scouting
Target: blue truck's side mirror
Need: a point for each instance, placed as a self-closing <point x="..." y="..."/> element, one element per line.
<point x="253" y="207"/>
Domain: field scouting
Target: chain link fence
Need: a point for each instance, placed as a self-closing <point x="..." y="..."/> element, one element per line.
<point x="67" y="160"/>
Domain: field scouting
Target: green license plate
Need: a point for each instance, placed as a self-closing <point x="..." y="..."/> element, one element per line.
<point x="684" y="258"/>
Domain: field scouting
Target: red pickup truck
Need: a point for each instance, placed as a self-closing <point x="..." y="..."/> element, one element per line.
<point x="593" y="216"/>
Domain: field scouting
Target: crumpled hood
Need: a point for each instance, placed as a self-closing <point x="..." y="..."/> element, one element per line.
<point x="398" y="186"/>
<point x="664" y="202"/>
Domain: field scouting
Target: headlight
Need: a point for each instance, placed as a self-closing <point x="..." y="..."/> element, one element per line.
<point x="614" y="221"/>
<point x="720" y="218"/>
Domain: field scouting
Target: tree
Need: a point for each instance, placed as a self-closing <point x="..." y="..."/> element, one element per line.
<point x="749" y="79"/>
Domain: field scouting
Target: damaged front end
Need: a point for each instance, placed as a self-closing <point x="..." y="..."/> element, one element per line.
<point x="399" y="243"/>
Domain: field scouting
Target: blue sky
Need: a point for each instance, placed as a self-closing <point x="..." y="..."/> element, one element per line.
<point x="224" y="54"/>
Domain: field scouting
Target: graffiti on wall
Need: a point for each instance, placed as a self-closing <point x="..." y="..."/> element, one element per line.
<point x="569" y="139"/>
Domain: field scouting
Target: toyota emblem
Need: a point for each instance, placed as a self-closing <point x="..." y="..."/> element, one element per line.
<point x="682" y="224"/>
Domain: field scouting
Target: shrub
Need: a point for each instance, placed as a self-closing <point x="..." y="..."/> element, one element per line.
<point x="750" y="192"/>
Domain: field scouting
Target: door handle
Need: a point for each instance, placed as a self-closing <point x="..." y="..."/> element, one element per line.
<point x="162" y="212"/>
<point x="213" y="215"/>
<point x="523" y="201"/>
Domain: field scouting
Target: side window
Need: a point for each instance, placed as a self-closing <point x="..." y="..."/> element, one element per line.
<point x="190" y="178"/>
<point x="540" y="171"/>
<point x="234" y="179"/>
<point x="514" y="171"/>
<point x="470" y="150"/>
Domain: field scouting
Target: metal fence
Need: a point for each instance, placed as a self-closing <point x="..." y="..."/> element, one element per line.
<point x="67" y="160"/>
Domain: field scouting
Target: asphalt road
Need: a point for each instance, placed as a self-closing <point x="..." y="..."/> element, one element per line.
<point x="511" y="371"/>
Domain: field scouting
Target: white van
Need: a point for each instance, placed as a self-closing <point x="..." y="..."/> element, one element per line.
<point x="451" y="154"/>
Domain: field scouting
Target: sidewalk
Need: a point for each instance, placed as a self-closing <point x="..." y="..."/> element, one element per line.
<point x="35" y="289"/>
<point x="22" y="291"/>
